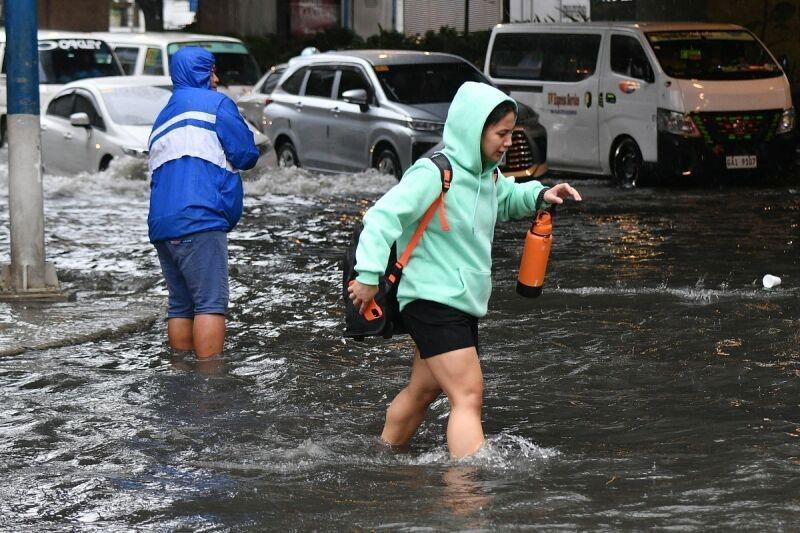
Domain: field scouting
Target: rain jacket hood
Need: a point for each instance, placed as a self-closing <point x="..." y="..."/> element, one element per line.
<point x="464" y="125"/>
<point x="197" y="144"/>
<point x="452" y="263"/>
<point x="190" y="67"/>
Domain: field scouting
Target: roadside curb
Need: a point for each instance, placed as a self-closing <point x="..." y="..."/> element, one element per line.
<point x="135" y="325"/>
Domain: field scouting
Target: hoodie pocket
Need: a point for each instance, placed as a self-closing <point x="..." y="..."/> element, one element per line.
<point x="477" y="287"/>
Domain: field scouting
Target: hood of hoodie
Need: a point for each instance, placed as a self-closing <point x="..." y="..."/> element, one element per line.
<point x="464" y="125"/>
<point x="190" y="67"/>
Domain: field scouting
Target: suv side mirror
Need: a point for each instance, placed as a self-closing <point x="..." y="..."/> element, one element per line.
<point x="80" y="120"/>
<point x="355" y="96"/>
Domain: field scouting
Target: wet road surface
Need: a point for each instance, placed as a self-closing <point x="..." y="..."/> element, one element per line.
<point x="654" y="384"/>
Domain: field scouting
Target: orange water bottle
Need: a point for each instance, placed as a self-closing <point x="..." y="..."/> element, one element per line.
<point x="535" y="254"/>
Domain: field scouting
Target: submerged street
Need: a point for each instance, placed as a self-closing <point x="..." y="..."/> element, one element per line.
<point x="655" y="383"/>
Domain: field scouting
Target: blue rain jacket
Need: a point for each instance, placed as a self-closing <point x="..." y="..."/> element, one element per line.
<point x="198" y="142"/>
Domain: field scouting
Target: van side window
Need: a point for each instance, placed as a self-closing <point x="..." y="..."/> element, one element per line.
<point x="544" y="56"/>
<point x="85" y="105"/>
<point x="352" y="79"/>
<point x="295" y="82"/>
<point x="127" y="56"/>
<point x="61" y="106"/>
<point x="153" y="62"/>
<point x="320" y="82"/>
<point x="628" y="58"/>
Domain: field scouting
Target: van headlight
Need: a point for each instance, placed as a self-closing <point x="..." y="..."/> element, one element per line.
<point x="424" y="125"/>
<point x="677" y="123"/>
<point x="786" y="123"/>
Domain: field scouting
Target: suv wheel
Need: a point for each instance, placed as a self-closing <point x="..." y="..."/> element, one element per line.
<point x="287" y="155"/>
<point x="388" y="163"/>
<point x="627" y="163"/>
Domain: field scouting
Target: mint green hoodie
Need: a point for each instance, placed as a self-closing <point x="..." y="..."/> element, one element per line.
<point x="450" y="267"/>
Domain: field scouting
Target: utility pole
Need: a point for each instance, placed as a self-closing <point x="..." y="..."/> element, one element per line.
<point x="28" y="276"/>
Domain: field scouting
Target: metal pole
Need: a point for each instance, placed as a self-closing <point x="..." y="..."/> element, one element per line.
<point x="28" y="274"/>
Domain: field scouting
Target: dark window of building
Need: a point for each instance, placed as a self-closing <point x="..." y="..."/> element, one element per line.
<point x="544" y="56"/>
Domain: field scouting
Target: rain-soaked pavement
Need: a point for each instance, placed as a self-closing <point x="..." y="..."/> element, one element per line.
<point x="655" y="384"/>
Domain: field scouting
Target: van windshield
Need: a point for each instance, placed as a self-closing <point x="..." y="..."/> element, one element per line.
<point x="712" y="55"/>
<point x="235" y="64"/>
<point x="425" y="83"/>
<point x="64" y="60"/>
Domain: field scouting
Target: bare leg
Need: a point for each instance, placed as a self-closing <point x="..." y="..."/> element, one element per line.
<point x="209" y="335"/>
<point x="407" y="410"/>
<point x="179" y="333"/>
<point x="459" y="374"/>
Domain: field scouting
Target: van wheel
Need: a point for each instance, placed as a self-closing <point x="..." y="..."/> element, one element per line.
<point x="287" y="155"/>
<point x="105" y="162"/>
<point x="388" y="163"/>
<point x="626" y="163"/>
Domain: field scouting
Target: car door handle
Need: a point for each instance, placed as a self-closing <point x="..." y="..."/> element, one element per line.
<point x="298" y="105"/>
<point x="68" y="136"/>
<point x="335" y="110"/>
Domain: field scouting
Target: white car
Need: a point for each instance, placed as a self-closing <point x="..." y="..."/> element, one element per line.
<point x="92" y="121"/>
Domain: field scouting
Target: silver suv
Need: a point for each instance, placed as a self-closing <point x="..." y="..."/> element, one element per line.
<point x="351" y="110"/>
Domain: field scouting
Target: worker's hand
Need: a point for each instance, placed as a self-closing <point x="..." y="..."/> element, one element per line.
<point x="557" y="194"/>
<point x="361" y="295"/>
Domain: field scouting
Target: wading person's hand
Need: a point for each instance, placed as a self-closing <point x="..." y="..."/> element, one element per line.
<point x="361" y="295"/>
<point x="557" y="194"/>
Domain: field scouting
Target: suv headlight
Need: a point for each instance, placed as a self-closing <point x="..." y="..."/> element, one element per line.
<point x="677" y="123"/>
<point x="786" y="123"/>
<point x="134" y="152"/>
<point x="424" y="125"/>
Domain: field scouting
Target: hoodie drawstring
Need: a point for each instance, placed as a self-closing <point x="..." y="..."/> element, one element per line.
<point x="477" y="198"/>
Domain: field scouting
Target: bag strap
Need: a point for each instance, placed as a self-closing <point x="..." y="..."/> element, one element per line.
<point x="446" y="175"/>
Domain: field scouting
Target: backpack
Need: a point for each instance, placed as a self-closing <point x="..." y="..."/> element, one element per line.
<point x="383" y="314"/>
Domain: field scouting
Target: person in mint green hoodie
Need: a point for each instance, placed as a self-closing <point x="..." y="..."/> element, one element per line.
<point x="446" y="285"/>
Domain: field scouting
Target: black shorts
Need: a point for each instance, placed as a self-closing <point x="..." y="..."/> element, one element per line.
<point x="437" y="328"/>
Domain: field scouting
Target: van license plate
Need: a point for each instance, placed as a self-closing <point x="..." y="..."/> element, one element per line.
<point x="741" y="161"/>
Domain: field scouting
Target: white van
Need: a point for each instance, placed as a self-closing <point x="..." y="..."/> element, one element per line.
<point x="615" y="97"/>
<point x="149" y="53"/>
<point x="63" y="57"/>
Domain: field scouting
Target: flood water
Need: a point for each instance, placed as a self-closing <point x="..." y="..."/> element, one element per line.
<point x="654" y="384"/>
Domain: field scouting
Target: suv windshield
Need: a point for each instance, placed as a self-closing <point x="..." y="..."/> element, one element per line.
<point x="65" y="60"/>
<point x="135" y="106"/>
<point x="235" y="65"/>
<point x="712" y="55"/>
<point x="425" y="83"/>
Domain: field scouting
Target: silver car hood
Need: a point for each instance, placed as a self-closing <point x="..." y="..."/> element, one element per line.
<point x="434" y="112"/>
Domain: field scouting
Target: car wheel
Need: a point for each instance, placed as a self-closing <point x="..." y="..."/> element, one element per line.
<point x="105" y="162"/>
<point x="388" y="163"/>
<point x="627" y="163"/>
<point x="287" y="155"/>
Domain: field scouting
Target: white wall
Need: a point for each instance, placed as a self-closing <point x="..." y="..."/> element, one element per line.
<point x="546" y="10"/>
<point x="368" y="15"/>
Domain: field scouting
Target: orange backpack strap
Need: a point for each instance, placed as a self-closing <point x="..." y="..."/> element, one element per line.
<point x="446" y="174"/>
